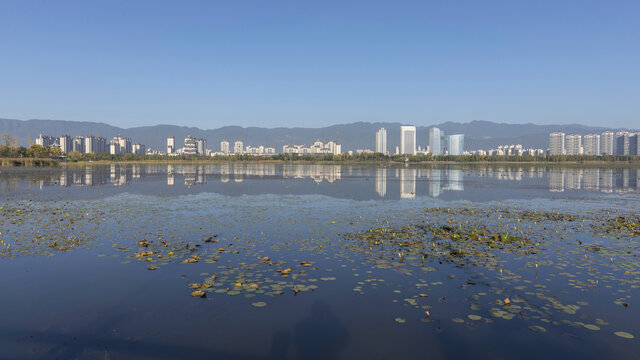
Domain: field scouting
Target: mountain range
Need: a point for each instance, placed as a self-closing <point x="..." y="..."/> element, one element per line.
<point x="359" y="135"/>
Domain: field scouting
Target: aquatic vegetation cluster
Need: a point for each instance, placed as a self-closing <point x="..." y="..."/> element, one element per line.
<point x="463" y="265"/>
<point x="624" y="225"/>
<point x="478" y="237"/>
<point x="37" y="229"/>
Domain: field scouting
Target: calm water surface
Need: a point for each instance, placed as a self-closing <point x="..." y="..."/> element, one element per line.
<point x="304" y="262"/>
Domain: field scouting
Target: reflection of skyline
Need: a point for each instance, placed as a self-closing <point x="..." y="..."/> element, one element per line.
<point x="605" y="180"/>
<point x="439" y="180"/>
<point x="411" y="182"/>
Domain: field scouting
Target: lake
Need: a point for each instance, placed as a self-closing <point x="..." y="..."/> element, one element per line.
<point x="303" y="261"/>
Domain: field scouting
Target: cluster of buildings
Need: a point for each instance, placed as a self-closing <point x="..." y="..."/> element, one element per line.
<point x="608" y="143"/>
<point x="92" y="144"/>
<point x="240" y="149"/>
<point x="198" y="147"/>
<point x="510" y="150"/>
<point x="318" y="148"/>
<point x="191" y="146"/>
<point x="439" y="144"/>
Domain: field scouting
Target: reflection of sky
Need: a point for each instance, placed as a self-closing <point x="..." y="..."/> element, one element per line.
<point x="353" y="182"/>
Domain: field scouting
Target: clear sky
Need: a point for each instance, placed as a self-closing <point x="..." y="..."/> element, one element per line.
<point x="315" y="63"/>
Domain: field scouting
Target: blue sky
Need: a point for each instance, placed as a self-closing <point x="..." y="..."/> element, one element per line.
<point x="315" y="63"/>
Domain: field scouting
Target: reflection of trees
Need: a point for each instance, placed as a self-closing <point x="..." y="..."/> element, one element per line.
<point x="9" y="185"/>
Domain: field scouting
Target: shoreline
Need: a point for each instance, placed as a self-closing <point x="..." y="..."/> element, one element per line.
<point x="40" y="162"/>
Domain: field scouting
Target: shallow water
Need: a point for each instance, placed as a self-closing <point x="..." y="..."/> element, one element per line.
<point x="102" y="259"/>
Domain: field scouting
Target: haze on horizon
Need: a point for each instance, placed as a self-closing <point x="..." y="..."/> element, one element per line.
<point x="286" y="63"/>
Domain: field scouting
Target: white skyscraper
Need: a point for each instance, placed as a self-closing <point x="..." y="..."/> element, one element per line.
<point x="238" y="147"/>
<point x="622" y="142"/>
<point x="556" y="143"/>
<point x="65" y="143"/>
<point x="190" y="146"/>
<point x="381" y="141"/>
<point x="607" y="143"/>
<point x="171" y="145"/>
<point x="201" y="146"/>
<point x="95" y="144"/>
<point x="455" y="144"/>
<point x="573" y="144"/>
<point x="224" y="147"/>
<point x="120" y="145"/>
<point x="408" y="140"/>
<point x="435" y="141"/>
<point x="592" y="144"/>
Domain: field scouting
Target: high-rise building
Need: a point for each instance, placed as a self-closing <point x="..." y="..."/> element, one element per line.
<point x="573" y="144"/>
<point x="95" y="144"/>
<point x="592" y="144"/>
<point x="238" y="147"/>
<point x="408" y="140"/>
<point x="634" y="145"/>
<point x="139" y="149"/>
<point x="201" y="145"/>
<point x="120" y="145"/>
<point x="334" y="147"/>
<point x="65" y="144"/>
<point x="622" y="142"/>
<point x="381" y="141"/>
<point x="455" y="144"/>
<point x="607" y="143"/>
<point x="78" y="144"/>
<point x="190" y="147"/>
<point x="46" y="140"/>
<point x="224" y="147"/>
<point x="556" y="143"/>
<point x="435" y="141"/>
<point x="171" y="145"/>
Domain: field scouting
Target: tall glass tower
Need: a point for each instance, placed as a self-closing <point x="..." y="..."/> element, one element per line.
<point x="408" y="140"/>
<point x="435" y="143"/>
<point x="381" y="141"/>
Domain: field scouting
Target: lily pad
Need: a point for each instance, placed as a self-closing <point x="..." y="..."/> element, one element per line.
<point x="537" y="328"/>
<point x="624" y="334"/>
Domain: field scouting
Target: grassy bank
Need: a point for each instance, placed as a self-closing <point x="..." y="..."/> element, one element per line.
<point x="35" y="162"/>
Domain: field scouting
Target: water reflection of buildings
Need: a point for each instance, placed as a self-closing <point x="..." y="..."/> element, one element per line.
<point x="381" y="181"/>
<point x="438" y="180"/>
<point x="407" y="183"/>
<point x="606" y="180"/>
<point x="411" y="181"/>
<point x="318" y="173"/>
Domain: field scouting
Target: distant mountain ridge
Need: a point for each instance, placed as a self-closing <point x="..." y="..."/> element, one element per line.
<point x="479" y="134"/>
